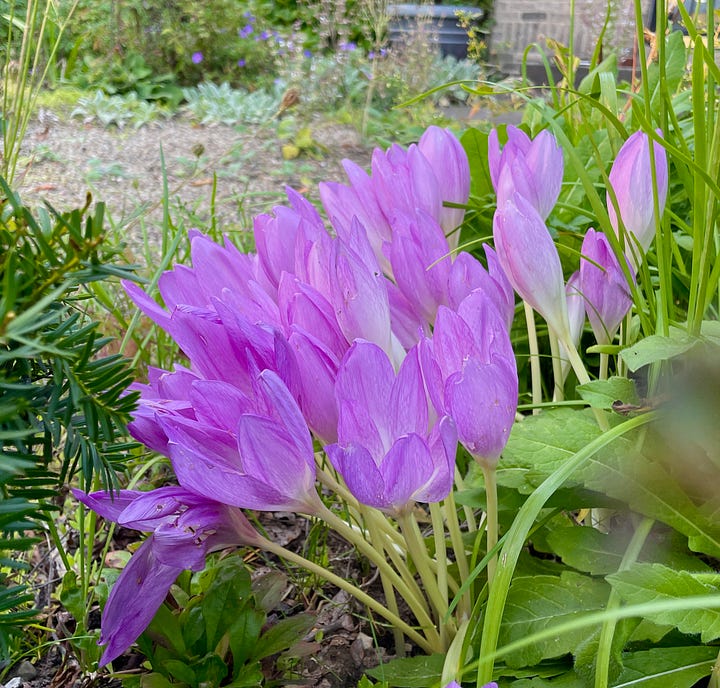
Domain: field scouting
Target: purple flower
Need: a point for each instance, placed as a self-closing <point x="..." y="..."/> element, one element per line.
<point x="307" y="53"/>
<point x="185" y="527"/>
<point x="197" y="57"/>
<point x="452" y="171"/>
<point x="530" y="260"/>
<point x="604" y="286"/>
<point x="534" y="169"/>
<point x="455" y="684"/>
<point x="631" y="180"/>
<point x="347" y="46"/>
<point x="391" y="452"/>
<point x="477" y="365"/>
<point x="241" y="62"/>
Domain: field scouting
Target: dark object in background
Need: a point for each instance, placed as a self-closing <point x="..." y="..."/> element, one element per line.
<point x="441" y="19"/>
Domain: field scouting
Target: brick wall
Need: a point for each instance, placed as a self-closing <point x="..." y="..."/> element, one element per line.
<point x="517" y="23"/>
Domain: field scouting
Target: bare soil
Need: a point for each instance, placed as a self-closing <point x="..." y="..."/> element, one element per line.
<point x="61" y="161"/>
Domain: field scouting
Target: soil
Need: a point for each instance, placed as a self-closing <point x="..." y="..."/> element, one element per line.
<point x="61" y="161"/>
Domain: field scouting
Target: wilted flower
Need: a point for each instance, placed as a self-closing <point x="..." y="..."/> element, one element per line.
<point x="391" y="450"/>
<point x="185" y="527"/>
<point x="631" y="180"/>
<point x="603" y="286"/>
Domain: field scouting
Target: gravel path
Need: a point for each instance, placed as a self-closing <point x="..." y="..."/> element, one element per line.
<point x="62" y="160"/>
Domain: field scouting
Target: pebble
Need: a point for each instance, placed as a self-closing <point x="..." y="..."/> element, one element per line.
<point x="14" y="683"/>
<point x="26" y="671"/>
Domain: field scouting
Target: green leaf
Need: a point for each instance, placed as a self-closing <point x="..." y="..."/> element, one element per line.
<point x="475" y="143"/>
<point x="541" y="444"/>
<point x="587" y="549"/>
<point x="225" y="595"/>
<point x="180" y="671"/>
<point x="244" y="633"/>
<point x="604" y="393"/>
<point x="679" y="667"/>
<point x="647" y="583"/>
<point x="283" y="635"/>
<point x="567" y="680"/>
<point x="410" y="672"/>
<point x="535" y="603"/>
<point x="657" y="348"/>
<point x="154" y="680"/>
<point x="646" y="484"/>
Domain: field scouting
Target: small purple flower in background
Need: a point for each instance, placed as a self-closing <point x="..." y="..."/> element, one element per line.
<point x="197" y="57"/>
<point x="241" y="62"/>
<point x="185" y="527"/>
<point x="391" y="451"/>
<point x="307" y="53"/>
<point x="246" y="31"/>
<point x="631" y="180"/>
<point x="603" y="285"/>
<point x="347" y="46"/>
<point x="455" y="684"/>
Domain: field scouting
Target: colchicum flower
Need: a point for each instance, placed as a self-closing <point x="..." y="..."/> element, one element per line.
<point x="531" y="262"/>
<point x="603" y="286"/>
<point x="392" y="450"/>
<point x="477" y="365"/>
<point x="532" y="168"/>
<point x="185" y="527"/>
<point x="326" y="333"/>
<point x="632" y="183"/>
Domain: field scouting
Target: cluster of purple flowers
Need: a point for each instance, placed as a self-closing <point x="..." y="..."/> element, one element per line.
<point x="527" y="175"/>
<point x="378" y="341"/>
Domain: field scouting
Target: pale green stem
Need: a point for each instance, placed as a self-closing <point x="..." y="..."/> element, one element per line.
<point x="604" y="364"/>
<point x="366" y="514"/>
<point x="458" y="546"/>
<point x="417" y="606"/>
<point x="419" y="554"/>
<point x="467" y="510"/>
<point x="370" y="602"/>
<point x="557" y="365"/>
<point x="441" y="558"/>
<point x="535" y="376"/>
<point x="491" y="527"/>
<point x="602" y="664"/>
<point x="582" y="375"/>
<point x="377" y="540"/>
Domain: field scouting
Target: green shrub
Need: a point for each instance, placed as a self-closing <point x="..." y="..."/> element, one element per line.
<point x="61" y="403"/>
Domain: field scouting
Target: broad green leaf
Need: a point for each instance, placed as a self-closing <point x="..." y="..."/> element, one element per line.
<point x="210" y="670"/>
<point x="646" y="484"/>
<point x="180" y="671"/>
<point x="227" y="592"/>
<point x="679" y="667"/>
<point x="410" y="672"/>
<point x="587" y="549"/>
<point x="475" y="143"/>
<point x="604" y="393"/>
<point x="283" y="635"/>
<point x="244" y="632"/>
<point x="646" y="583"/>
<point x="154" y="680"/>
<point x="535" y="603"/>
<point x="567" y="680"/>
<point x="541" y="444"/>
<point x="657" y="348"/>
